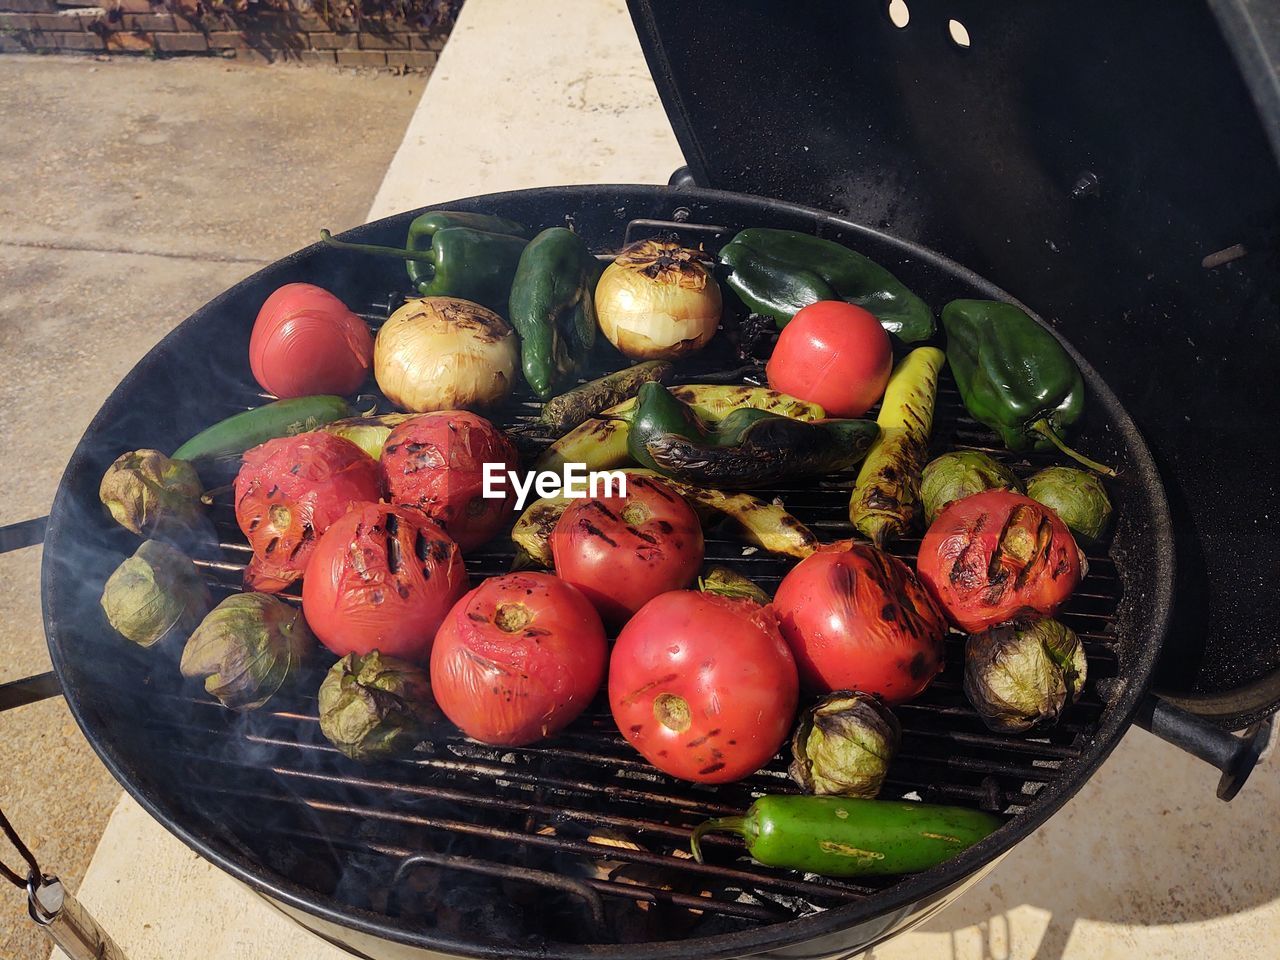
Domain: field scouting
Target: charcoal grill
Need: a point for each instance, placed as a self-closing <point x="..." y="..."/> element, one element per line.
<point x="576" y="848"/>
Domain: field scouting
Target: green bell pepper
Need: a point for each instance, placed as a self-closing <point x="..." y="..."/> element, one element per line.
<point x="552" y="307"/>
<point x="1014" y="376"/>
<point x="749" y="448"/>
<point x="472" y="256"/>
<point x="776" y="272"/>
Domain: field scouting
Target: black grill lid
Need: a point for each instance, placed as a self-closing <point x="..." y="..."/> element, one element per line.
<point x="1107" y="164"/>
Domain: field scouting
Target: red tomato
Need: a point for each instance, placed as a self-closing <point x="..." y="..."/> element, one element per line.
<point x="857" y="619"/>
<point x="305" y="341"/>
<point x="624" y="551"/>
<point x="833" y="354"/>
<point x="997" y="556"/>
<point x="382" y="578"/>
<point x="288" y="492"/>
<point x="518" y="658"/>
<point x="435" y="463"/>
<point x="703" y="686"/>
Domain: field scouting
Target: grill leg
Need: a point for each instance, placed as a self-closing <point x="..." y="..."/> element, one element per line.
<point x="17" y="693"/>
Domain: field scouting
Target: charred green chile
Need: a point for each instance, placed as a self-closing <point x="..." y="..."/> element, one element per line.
<point x="851" y="837"/>
<point x="749" y="448"/>
<point x="552" y="307"/>
<point x="456" y="254"/>
<point x="561" y="414"/>
<point x="777" y="272"/>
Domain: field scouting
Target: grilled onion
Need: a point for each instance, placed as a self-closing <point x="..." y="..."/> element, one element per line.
<point x="442" y="353"/>
<point x="658" y="300"/>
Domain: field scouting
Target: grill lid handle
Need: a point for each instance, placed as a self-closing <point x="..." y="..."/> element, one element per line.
<point x="1235" y="756"/>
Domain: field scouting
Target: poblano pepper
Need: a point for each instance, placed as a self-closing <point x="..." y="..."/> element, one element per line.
<point x="449" y="253"/>
<point x="776" y="272"/>
<point x="749" y="448"/>
<point x="552" y="307"/>
<point x="1014" y="376"/>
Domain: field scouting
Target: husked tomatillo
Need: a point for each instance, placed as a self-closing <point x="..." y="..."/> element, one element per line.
<point x="1024" y="674"/>
<point x="373" y="706"/>
<point x="844" y="744"/>
<point x="155" y="594"/>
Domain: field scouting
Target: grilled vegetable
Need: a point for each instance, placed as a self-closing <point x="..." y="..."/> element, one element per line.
<point x="601" y="442"/>
<point x="753" y="448"/>
<point x="1015" y="376"/>
<point x="443" y="353"/>
<point x="368" y="433"/>
<point x="1020" y="675"/>
<point x="1077" y="497"/>
<point x="958" y="474"/>
<point x="764" y="524"/>
<point x="283" y="418"/>
<point x="843" y="745"/>
<point x="246" y="648"/>
<point x="835" y="354"/>
<point x="856" y="618"/>
<point x="563" y="413"/>
<point x="155" y="594"/>
<point x="373" y="706"/>
<point x="287" y="493"/>
<point x="307" y="342"/>
<point x="454" y="254"/>
<point x="886" y="495"/>
<point x="851" y="837"/>
<point x="727" y="582"/>
<point x="155" y="496"/>
<point x="658" y="300"/>
<point x="777" y="272"/>
<point x="552" y="307"/>
<point x="998" y="556"/>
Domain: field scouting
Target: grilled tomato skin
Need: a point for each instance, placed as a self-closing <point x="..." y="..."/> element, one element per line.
<point x="518" y="658"/>
<point x="624" y="551"/>
<point x="856" y="618"/>
<point x="288" y="491"/>
<point x="435" y="463"/>
<point x="997" y="556"/>
<point x="382" y="578"/>
<point x="703" y="685"/>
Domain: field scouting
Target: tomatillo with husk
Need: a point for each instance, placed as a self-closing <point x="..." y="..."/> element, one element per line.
<point x="373" y="706"/>
<point x="1020" y="675"/>
<point x="155" y="594"/>
<point x="843" y="745"/>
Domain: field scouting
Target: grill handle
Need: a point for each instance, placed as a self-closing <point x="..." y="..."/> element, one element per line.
<point x="15" y="536"/>
<point x="1235" y="756"/>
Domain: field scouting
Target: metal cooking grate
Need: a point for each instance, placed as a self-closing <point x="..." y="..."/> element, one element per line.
<point x="579" y="838"/>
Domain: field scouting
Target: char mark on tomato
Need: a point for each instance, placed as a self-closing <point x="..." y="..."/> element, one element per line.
<point x="593" y="531"/>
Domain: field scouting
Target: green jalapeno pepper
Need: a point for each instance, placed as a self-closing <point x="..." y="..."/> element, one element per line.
<point x="851" y="837"/>
<point x="448" y="253"/>
<point x="777" y="272"/>
<point x="1014" y="376"/>
<point x="552" y="307"/>
<point x="748" y="448"/>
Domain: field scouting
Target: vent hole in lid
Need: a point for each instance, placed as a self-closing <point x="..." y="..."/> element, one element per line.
<point x="959" y="33"/>
<point x="899" y="14"/>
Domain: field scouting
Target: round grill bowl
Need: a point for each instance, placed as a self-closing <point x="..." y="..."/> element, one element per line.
<point x="242" y="793"/>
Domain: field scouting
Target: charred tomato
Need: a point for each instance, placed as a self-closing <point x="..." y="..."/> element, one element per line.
<point x="518" y="658"/>
<point x="622" y="551"/>
<point x="997" y="556"/>
<point x="382" y="578"/>
<point x="435" y="463"/>
<point x="288" y="491"/>
<point x="856" y="618"/>
<point x="703" y="685"/>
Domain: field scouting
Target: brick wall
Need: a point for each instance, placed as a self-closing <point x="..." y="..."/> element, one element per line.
<point x="186" y="28"/>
